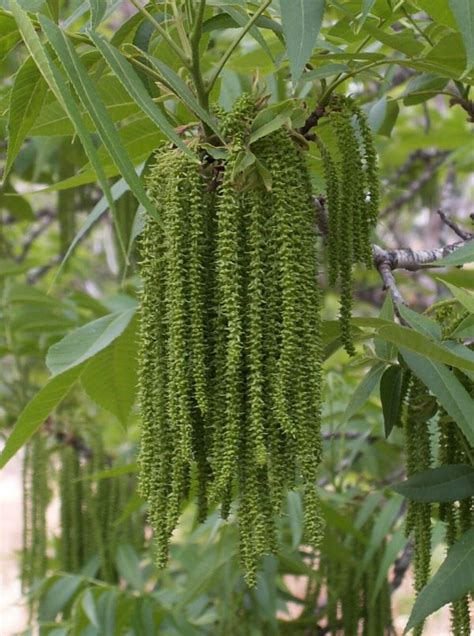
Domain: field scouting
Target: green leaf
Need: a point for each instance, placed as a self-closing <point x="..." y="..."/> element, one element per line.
<point x="453" y="580"/>
<point x="463" y="11"/>
<point x="26" y="99"/>
<point x="87" y="341"/>
<point x="57" y="596"/>
<point x="383" y="115"/>
<point x="128" y="565"/>
<point x="9" y="34"/>
<point x="451" y="394"/>
<point x="391" y="396"/>
<point x="301" y="21"/>
<point x="404" y="42"/>
<point x="98" y="9"/>
<point x="324" y="71"/>
<point x="439" y="11"/>
<point x="420" y="323"/>
<point x="37" y="410"/>
<point x="109" y="473"/>
<point x="182" y="90"/>
<point x="450" y="482"/>
<point x="461" y="256"/>
<point x="415" y="341"/>
<point x="86" y="91"/>
<point x="134" y="86"/>
<point x="276" y="122"/>
<point x="89" y="607"/>
<point x="422" y="87"/>
<point x="242" y="20"/>
<point x="97" y="211"/>
<point x="364" y="390"/>
<point x="463" y="296"/>
<point x="62" y="92"/>
<point x="110" y="378"/>
<point x="384" y="349"/>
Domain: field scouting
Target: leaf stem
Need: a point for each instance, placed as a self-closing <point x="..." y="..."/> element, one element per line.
<point x="223" y="61"/>
<point x="181" y="31"/>
<point x="171" y="43"/>
<point x="340" y="80"/>
<point x="195" y="69"/>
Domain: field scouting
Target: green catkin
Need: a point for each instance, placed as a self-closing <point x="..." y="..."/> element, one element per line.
<point x="230" y="338"/>
<point x="370" y="161"/>
<point x="352" y="193"/>
<point x="347" y="146"/>
<point x="333" y="188"/>
<point x="418" y="452"/>
<point x="35" y="503"/>
<point x="458" y="517"/>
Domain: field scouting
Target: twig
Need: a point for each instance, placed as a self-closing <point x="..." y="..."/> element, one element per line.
<point x="311" y="122"/>
<point x="386" y="261"/>
<point x="401" y="566"/>
<point x="28" y="243"/>
<point x="38" y="272"/>
<point x="466" y="236"/>
<point x="415" y="186"/>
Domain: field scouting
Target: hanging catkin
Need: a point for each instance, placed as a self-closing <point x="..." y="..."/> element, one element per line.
<point x="230" y="338"/>
<point x="418" y="411"/>
<point x="454" y="448"/>
<point x="35" y="503"/>
<point x="352" y="193"/>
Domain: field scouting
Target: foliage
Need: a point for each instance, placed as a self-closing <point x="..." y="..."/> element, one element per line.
<point x="95" y="88"/>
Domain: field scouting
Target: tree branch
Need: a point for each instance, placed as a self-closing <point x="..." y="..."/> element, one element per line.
<point x="387" y="261"/>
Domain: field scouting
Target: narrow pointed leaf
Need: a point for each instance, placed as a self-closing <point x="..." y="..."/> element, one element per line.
<point x="26" y="99"/>
<point x="463" y="296"/>
<point x="463" y="11"/>
<point x="420" y="323"/>
<point x="133" y="84"/>
<point x="110" y="378"/>
<point x="364" y="390"/>
<point x="37" y="410"/>
<point x="391" y="397"/>
<point x="98" y="210"/>
<point x="451" y="394"/>
<point x="87" y="93"/>
<point x="182" y="90"/>
<point x="87" y="341"/>
<point x="461" y="256"/>
<point x="417" y="342"/>
<point x="301" y="21"/>
<point x="453" y="580"/>
<point x="61" y="90"/>
<point x="450" y="482"/>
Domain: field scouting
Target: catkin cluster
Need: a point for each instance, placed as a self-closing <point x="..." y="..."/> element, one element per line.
<point x="35" y="502"/>
<point x="89" y="508"/>
<point x="230" y="339"/>
<point x="352" y="193"/>
<point x="453" y="448"/>
<point x="420" y="408"/>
